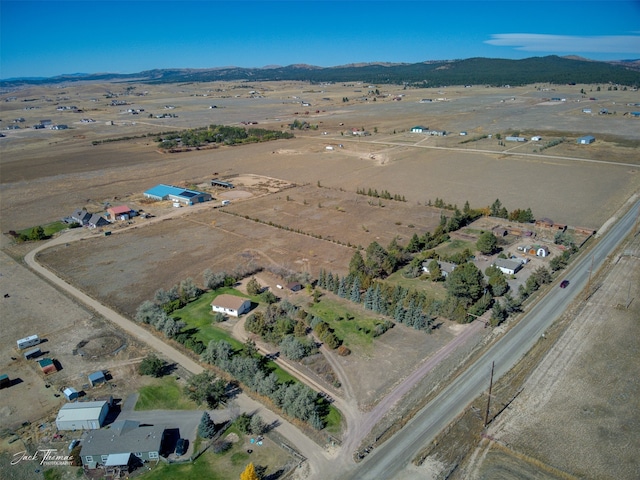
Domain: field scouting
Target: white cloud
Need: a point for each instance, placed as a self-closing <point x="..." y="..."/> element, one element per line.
<point x="533" y="42"/>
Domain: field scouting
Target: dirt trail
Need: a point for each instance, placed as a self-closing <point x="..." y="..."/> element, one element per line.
<point x="317" y="457"/>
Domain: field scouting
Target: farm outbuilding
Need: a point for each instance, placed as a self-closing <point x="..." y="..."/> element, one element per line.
<point x="586" y="140"/>
<point x="47" y="366"/>
<point x="219" y="183"/>
<point x="82" y="416"/>
<point x="295" y="286"/>
<point x="177" y="194"/>
<point x="70" y="393"/>
<point x="231" y="305"/>
<point x="97" y="378"/>
<point x="33" y="353"/>
<point x="4" y="381"/>
<point x="120" y="212"/>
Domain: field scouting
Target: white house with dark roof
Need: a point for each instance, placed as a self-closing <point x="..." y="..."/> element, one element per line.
<point x="509" y="267"/>
<point x="124" y="443"/>
<point x="230" y="305"/>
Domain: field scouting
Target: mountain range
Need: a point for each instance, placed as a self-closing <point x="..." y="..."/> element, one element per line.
<point x="479" y="71"/>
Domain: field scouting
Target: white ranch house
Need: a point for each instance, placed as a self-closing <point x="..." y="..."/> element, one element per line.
<point x="231" y="305"/>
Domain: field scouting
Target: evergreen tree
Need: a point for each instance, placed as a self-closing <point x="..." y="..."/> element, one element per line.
<point x="321" y="278"/>
<point x="207" y="428"/>
<point x="355" y="290"/>
<point x="398" y="315"/>
<point x="368" y="298"/>
<point x="342" y="288"/>
<point x="329" y="282"/>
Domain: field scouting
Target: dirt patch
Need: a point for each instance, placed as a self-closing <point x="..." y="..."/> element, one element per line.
<point x="99" y="346"/>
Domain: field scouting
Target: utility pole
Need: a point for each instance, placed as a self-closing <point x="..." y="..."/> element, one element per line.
<point x="589" y="282"/>
<point x="486" y="415"/>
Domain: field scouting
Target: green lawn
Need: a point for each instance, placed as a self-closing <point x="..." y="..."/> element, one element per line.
<point x="334" y="421"/>
<point x="224" y="466"/>
<point x="198" y="314"/>
<point x="434" y="289"/>
<point x="49" y="229"/>
<point x="351" y="332"/>
<point x="455" y="246"/>
<point x="164" y="394"/>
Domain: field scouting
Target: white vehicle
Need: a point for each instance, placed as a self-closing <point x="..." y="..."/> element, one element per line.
<point x="225" y="202"/>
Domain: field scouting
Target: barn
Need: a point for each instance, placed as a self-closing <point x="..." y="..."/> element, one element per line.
<point x="82" y="416"/>
<point x="120" y="212"/>
<point x="231" y="305"/>
<point x="586" y="140"/>
<point x="177" y="194"/>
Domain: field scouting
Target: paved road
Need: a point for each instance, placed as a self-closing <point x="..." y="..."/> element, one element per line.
<point x="390" y="458"/>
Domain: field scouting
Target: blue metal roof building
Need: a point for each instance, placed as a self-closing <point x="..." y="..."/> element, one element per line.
<point x="177" y="194"/>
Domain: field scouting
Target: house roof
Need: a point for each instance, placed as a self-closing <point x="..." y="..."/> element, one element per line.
<point x="506" y="263"/>
<point x="119" y="209"/>
<point x="123" y="437"/>
<point x="230" y="302"/>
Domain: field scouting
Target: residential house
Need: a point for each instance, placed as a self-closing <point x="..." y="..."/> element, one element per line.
<point x="96" y="220"/>
<point x="124" y="444"/>
<point x="230" y="305"/>
<point x="509" y="267"/>
<point x="445" y="267"/>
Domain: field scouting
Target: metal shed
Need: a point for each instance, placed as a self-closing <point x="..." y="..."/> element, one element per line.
<point x="70" y="393"/>
<point x="82" y="416"/>
<point x="96" y="378"/>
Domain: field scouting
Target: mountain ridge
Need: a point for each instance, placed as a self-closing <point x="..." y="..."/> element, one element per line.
<point x="433" y="73"/>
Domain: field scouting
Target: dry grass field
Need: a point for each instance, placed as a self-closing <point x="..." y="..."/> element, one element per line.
<point x="302" y="195"/>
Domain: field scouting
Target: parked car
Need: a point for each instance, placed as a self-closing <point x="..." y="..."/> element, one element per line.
<point x="564" y="284"/>
<point x="74" y="444"/>
<point x="181" y="446"/>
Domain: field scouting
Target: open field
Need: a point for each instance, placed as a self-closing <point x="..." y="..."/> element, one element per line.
<point x="294" y="206"/>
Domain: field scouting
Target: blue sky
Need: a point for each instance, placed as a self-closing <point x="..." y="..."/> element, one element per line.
<point x="48" y="38"/>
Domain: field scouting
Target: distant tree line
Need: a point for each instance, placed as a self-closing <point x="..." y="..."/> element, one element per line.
<point x="384" y="194"/>
<point x="219" y="134"/>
